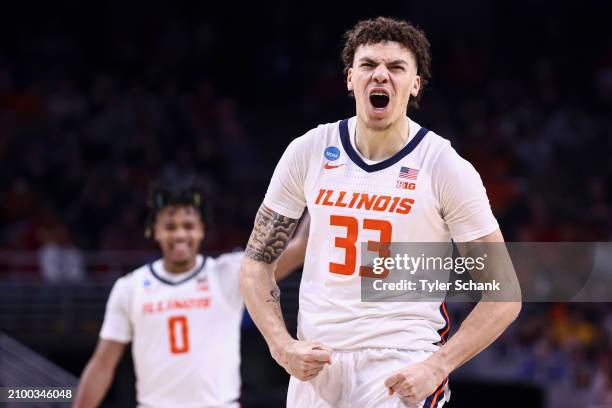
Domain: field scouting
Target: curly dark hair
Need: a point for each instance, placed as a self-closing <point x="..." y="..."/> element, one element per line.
<point x="381" y="29"/>
<point x="164" y="192"/>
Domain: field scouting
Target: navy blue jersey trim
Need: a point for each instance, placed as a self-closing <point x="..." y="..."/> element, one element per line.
<point x="434" y="399"/>
<point x="443" y="332"/>
<point x="167" y="282"/>
<point x="345" y="138"/>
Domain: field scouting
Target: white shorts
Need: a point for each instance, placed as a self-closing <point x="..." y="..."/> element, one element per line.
<point x="356" y="379"/>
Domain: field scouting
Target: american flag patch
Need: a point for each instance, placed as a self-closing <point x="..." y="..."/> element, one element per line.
<point x="202" y="284"/>
<point x="408" y="173"/>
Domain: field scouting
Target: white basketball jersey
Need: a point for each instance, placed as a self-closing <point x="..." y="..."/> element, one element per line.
<point x="423" y="193"/>
<point x="185" y="333"/>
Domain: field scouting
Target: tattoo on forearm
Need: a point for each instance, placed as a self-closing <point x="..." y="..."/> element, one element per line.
<point x="274" y="301"/>
<point x="270" y="235"/>
<point x="274" y="296"/>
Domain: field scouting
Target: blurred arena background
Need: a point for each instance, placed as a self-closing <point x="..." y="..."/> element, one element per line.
<point x="97" y="100"/>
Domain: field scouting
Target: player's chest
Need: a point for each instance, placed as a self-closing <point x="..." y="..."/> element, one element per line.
<point x="399" y="191"/>
<point x="155" y="300"/>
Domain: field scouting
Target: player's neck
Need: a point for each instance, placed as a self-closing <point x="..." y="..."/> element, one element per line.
<point x="174" y="267"/>
<point x="381" y="144"/>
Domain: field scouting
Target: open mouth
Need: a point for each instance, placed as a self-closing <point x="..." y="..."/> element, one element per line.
<point x="379" y="99"/>
<point x="180" y="247"/>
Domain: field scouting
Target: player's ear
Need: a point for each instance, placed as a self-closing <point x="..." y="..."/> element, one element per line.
<point x="349" y="80"/>
<point x="416" y="86"/>
<point x="153" y="230"/>
<point x="154" y="234"/>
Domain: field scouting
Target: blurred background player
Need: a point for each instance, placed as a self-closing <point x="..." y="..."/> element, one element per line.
<point x="354" y="177"/>
<point x="182" y="313"/>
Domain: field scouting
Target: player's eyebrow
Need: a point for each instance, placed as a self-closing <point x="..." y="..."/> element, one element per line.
<point x="366" y="59"/>
<point x="369" y="60"/>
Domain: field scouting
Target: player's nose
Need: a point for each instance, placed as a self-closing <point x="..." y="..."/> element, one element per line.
<point x="380" y="74"/>
<point x="179" y="234"/>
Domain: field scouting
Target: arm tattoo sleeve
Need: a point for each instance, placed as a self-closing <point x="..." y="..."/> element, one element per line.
<point x="270" y="235"/>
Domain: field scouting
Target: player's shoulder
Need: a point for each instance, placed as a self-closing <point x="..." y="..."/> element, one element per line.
<point x="230" y="257"/>
<point x="432" y="140"/>
<point x="328" y="128"/>
<point x="228" y="260"/>
<point x="434" y="148"/>
<point x="444" y="158"/>
<point x="321" y="134"/>
<point x="136" y="275"/>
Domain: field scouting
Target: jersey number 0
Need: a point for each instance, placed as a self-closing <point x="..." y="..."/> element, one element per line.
<point x="178" y="330"/>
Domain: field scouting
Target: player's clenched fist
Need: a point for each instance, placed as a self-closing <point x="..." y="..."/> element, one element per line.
<point x="415" y="382"/>
<point x="304" y="359"/>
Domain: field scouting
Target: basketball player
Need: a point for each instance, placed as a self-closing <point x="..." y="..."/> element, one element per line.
<point x="380" y="177"/>
<point x="182" y="314"/>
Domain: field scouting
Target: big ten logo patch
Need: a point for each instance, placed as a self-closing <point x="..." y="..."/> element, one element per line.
<point x="406" y="185"/>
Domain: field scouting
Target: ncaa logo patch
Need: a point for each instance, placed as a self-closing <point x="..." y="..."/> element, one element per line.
<point x="332" y="153"/>
<point x="148" y="286"/>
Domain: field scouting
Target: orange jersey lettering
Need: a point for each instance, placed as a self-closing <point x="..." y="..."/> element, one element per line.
<point x="370" y="202"/>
